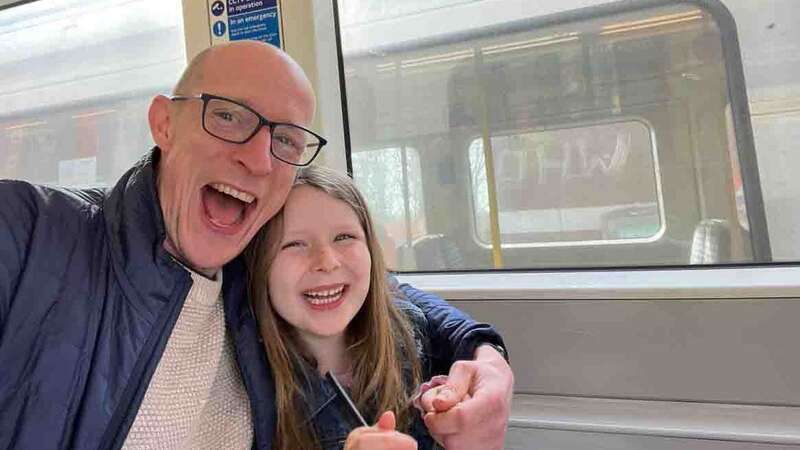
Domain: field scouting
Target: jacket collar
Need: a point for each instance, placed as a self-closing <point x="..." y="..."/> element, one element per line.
<point x="250" y="352"/>
<point x="135" y="232"/>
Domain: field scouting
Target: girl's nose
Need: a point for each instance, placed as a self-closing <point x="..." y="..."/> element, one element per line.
<point x="327" y="260"/>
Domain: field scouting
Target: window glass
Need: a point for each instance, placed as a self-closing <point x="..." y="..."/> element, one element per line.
<point x="389" y="178"/>
<point x="772" y="70"/>
<point x="76" y="79"/>
<point x="593" y="183"/>
<point x="354" y="12"/>
<point x="603" y="136"/>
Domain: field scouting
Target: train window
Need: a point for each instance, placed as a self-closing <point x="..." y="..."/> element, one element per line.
<point x="395" y="194"/>
<point x="373" y="10"/>
<point x="609" y="136"/>
<point x="591" y="184"/>
<point x="76" y="78"/>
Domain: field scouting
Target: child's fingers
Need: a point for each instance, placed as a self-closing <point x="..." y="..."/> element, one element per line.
<point x="386" y="422"/>
<point x="427" y="391"/>
<point x="382" y="435"/>
<point x="384" y="440"/>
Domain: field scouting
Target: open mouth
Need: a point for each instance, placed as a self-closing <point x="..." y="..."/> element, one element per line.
<point x="325" y="298"/>
<point x="226" y="206"/>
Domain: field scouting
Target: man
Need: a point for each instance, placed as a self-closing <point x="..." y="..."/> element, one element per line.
<point x="124" y="321"/>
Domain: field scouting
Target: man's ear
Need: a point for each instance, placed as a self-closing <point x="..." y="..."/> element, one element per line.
<point x="159" y="116"/>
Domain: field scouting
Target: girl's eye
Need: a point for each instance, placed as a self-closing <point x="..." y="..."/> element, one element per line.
<point x="344" y="236"/>
<point x="291" y="244"/>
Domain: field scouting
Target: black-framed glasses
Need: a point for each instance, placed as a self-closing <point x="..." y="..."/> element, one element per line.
<point x="234" y="122"/>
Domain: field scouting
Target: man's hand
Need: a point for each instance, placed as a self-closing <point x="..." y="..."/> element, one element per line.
<point x="380" y="437"/>
<point x="471" y="410"/>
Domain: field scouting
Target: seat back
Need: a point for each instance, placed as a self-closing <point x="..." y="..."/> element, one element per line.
<point x="711" y="243"/>
<point x="436" y="252"/>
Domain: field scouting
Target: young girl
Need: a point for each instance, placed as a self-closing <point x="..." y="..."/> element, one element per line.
<point x="320" y="292"/>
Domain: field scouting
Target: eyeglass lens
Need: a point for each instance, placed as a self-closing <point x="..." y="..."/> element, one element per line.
<point x="235" y="123"/>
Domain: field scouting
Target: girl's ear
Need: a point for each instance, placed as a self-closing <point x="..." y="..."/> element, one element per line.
<point x="159" y="117"/>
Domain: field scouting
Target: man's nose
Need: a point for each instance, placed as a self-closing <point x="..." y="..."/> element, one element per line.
<point x="255" y="154"/>
<point x="326" y="260"/>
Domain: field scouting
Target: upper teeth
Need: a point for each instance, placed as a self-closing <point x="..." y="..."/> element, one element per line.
<point x="325" y="293"/>
<point x="233" y="192"/>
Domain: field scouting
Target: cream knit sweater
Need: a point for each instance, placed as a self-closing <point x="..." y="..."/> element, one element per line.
<point x="196" y="399"/>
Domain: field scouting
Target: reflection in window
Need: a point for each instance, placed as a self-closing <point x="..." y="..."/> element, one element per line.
<point x="358" y="11"/>
<point x="607" y="132"/>
<point x="393" y="191"/>
<point x="586" y="183"/>
<point x="76" y="77"/>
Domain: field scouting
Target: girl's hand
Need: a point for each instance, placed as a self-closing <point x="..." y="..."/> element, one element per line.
<point x="470" y="409"/>
<point x="382" y="436"/>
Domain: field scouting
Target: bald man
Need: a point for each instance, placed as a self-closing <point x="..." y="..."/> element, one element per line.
<point x="124" y="320"/>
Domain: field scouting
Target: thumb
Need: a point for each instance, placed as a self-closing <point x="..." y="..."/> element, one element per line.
<point x="457" y="387"/>
<point x="386" y="422"/>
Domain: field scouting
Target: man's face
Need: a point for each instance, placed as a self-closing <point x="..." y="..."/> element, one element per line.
<point x="214" y="194"/>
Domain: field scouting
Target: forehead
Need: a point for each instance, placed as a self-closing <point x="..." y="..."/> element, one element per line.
<point x="266" y="82"/>
<point x="306" y="202"/>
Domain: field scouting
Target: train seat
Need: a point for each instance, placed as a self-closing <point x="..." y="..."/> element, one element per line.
<point x="711" y="242"/>
<point x="436" y="252"/>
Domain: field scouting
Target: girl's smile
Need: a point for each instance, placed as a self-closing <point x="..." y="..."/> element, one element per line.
<point x="323" y="298"/>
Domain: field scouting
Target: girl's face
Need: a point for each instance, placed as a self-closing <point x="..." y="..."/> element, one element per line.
<point x="320" y="274"/>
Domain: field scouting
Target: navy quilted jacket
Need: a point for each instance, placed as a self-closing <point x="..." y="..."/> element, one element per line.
<point x="88" y="299"/>
<point x="331" y="416"/>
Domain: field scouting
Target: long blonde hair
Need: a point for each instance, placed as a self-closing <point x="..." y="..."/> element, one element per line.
<point x="379" y="338"/>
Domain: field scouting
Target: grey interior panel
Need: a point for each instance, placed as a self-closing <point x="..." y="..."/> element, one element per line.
<point x="532" y="439"/>
<point x="711" y="350"/>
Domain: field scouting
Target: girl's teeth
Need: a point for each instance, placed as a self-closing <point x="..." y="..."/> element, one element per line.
<point x="324" y="297"/>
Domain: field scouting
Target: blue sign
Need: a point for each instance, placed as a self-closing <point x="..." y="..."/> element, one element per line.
<point x="257" y="20"/>
<point x="247" y="6"/>
<point x="219" y="28"/>
<point x="218" y="8"/>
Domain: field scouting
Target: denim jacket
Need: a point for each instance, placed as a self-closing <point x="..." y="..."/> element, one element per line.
<point x="330" y="416"/>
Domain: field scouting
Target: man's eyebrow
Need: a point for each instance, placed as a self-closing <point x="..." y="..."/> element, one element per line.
<point x="228" y="97"/>
<point x="242" y="101"/>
